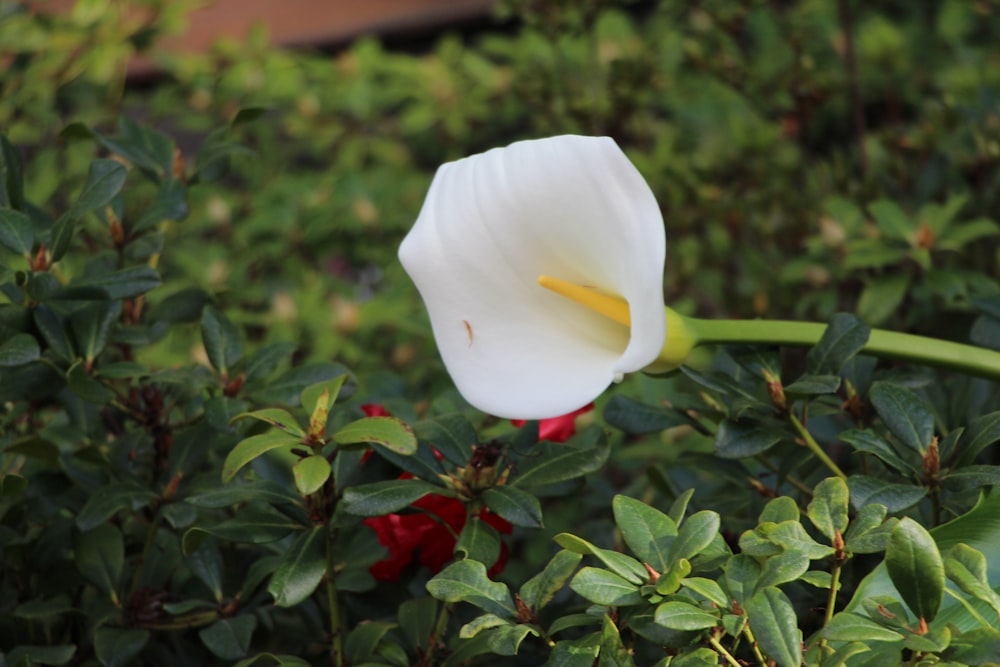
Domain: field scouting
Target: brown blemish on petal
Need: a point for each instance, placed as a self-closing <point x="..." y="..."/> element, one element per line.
<point x="468" y="329"/>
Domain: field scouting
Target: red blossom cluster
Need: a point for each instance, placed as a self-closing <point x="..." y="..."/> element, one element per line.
<point x="429" y="535"/>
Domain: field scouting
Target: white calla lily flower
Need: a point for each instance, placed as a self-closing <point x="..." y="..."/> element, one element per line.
<point x="570" y="207"/>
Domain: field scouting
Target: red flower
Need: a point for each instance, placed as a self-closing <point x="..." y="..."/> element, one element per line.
<point x="423" y="534"/>
<point x="557" y="429"/>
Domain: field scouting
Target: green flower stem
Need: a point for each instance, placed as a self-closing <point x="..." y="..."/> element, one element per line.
<point x="883" y="344"/>
<point x="814" y="447"/>
<point x="336" y="631"/>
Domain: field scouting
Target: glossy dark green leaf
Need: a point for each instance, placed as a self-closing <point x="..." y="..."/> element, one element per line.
<point x="967" y="568"/>
<point x="364" y="639"/>
<point x="100" y="556"/>
<point x="11" y="180"/>
<point x="613" y="651"/>
<point x="740" y="577"/>
<point x="108" y="501"/>
<point x="54" y="330"/>
<point x="638" y="418"/>
<point x="104" y="180"/>
<point x="91" y="327"/>
<point x="206" y="564"/>
<point x="740" y="439"/>
<point x="380" y="498"/>
<point x="62" y="236"/>
<point x="648" y="532"/>
<point x="310" y="474"/>
<point x="252" y="525"/>
<point x="906" y="414"/>
<point x="452" y="435"/>
<point x="622" y="564"/>
<point x="828" y="509"/>
<point x="301" y="570"/>
<point x="123" y="284"/>
<point x="695" y="534"/>
<point x="417" y="617"/>
<point x="185" y="305"/>
<point x="387" y="432"/>
<point x="17" y="232"/>
<point x="516" y="506"/>
<point x="222" y="340"/>
<point x="678" y="615"/>
<point x="117" y="647"/>
<point x="150" y="150"/>
<point x="897" y="497"/>
<point x="254" y="446"/>
<point x="783" y="568"/>
<point x="868" y="533"/>
<point x="170" y="204"/>
<point x="792" y="536"/>
<point x="554" y="462"/>
<point x="775" y="626"/>
<point x="19" y="349"/>
<point x="844" y="337"/>
<point x="605" y="588"/>
<point x="904" y="462"/>
<point x="467" y="581"/>
<point x="217" y="497"/>
<point x="541" y="588"/>
<point x="916" y="568"/>
<point x="266" y="359"/>
<point x="229" y="638"/>
<point x="979" y="434"/>
<point x="478" y="541"/>
<point x="272" y="660"/>
<point x="812" y="385"/>
<point x="28" y="654"/>
<point x="847" y="626"/>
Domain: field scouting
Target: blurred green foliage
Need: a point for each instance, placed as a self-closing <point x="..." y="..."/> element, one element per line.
<point x="221" y="241"/>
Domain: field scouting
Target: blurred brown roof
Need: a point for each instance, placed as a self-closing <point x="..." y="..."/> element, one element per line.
<point x="306" y="22"/>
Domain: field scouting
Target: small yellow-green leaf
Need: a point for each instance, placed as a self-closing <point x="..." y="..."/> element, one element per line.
<point x="254" y="446"/>
<point x="311" y="474"/>
<point x="388" y="432"/>
<point x="276" y="417"/>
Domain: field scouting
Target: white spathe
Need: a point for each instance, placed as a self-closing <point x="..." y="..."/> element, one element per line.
<point x="571" y="207"/>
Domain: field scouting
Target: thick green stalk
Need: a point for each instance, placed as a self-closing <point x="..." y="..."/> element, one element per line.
<point x="883" y="344"/>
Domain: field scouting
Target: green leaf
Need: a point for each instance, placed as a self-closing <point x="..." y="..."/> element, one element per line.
<point x="869" y="442"/>
<point x="678" y="615"/>
<point x="866" y="533"/>
<point x="741" y="574"/>
<point x="108" y="501"/>
<point x="277" y="417"/>
<point x="387" y="432"/>
<point x="62" y="236"/>
<point x="792" y="536"/>
<point x="848" y="626"/>
<point x="638" y="418"/>
<point x="695" y="535"/>
<point x="892" y="221"/>
<point x="783" y="568"/>
<point x="514" y="505"/>
<point x="451" y="435"/>
<point x="967" y="568"/>
<point x="26" y="654"/>
<point x="222" y="340"/>
<point x="580" y="652"/>
<point x="828" y="510"/>
<point x="123" y="284"/>
<point x="708" y="589"/>
<point x="256" y="445"/>
<point x="897" y="497"/>
<point x="466" y="581"/>
<point x="478" y="541"/>
<point x="364" y="639"/>
<point x="19" y="349"/>
<point x="206" y="564"/>
<point x="916" y="568"/>
<point x="150" y="150"/>
<point x="104" y="180"/>
<point x="310" y="474"/>
<point x="381" y="498"/>
<point x="554" y="462"/>
<point x="17" y="232"/>
<point x="217" y="497"/>
<point x="613" y="651"/>
<point x="229" y="638"/>
<point x="906" y="414"/>
<point x="843" y="338"/>
<point x="11" y="188"/>
<point x="417" y="617"/>
<point x="272" y="660"/>
<point x="625" y="566"/>
<point x="980" y="433"/>
<point x="116" y="647"/>
<point x="881" y="298"/>
<point x="814" y="385"/>
<point x="648" y="532"/>
<point x="91" y="327"/>
<point x="605" y="588"/>
<point x="506" y="639"/>
<point x="253" y="525"/>
<point x="775" y="626"/>
<point x="782" y="508"/>
<point x="541" y="588"/>
<point x="741" y="439"/>
<point x="301" y="569"/>
<point x="100" y="556"/>
<point x="170" y="204"/>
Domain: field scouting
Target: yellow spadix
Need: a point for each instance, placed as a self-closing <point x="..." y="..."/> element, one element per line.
<point x="681" y="336"/>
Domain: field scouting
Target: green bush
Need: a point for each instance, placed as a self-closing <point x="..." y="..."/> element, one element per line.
<point x="220" y="400"/>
